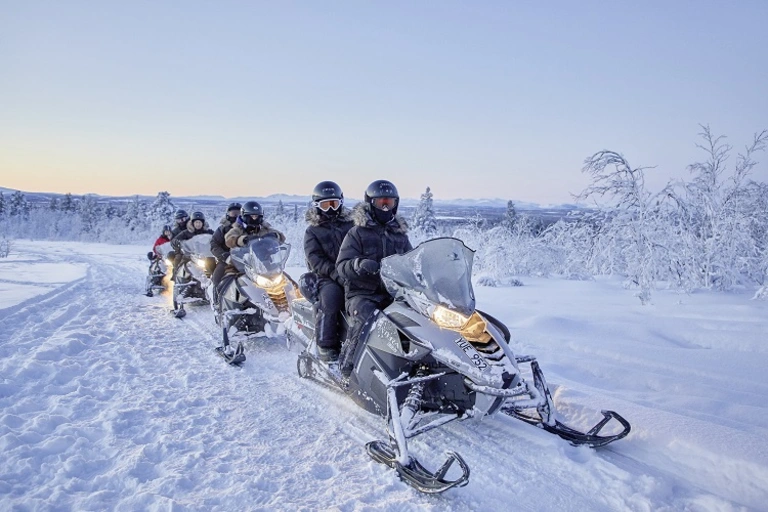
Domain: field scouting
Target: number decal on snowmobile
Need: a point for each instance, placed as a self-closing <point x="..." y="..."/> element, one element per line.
<point x="468" y="349"/>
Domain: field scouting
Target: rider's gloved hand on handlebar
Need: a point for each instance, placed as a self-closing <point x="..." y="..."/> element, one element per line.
<point x="365" y="267"/>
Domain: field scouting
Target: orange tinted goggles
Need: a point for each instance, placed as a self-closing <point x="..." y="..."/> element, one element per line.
<point x="384" y="203"/>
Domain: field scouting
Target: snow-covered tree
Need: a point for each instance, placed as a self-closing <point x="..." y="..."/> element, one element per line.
<point x="161" y="211"/>
<point x="423" y="220"/>
<point x="53" y="204"/>
<point x="135" y="217"/>
<point x="627" y="217"/>
<point x="280" y="210"/>
<point x="89" y="213"/>
<point x="716" y="214"/>
<point x="68" y="204"/>
<point x="18" y="205"/>
<point x="510" y="217"/>
<point x="2" y="205"/>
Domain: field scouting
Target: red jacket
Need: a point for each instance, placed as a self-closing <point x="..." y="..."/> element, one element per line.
<point x="160" y="241"/>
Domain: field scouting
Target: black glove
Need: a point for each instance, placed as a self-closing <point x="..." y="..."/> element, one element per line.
<point x="366" y="267"/>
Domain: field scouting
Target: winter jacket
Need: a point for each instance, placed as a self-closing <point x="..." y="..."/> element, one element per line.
<point x="372" y="241"/>
<point x="160" y="241"/>
<point x="322" y="240"/>
<point x="176" y="230"/>
<point x="237" y="234"/>
<point x="189" y="233"/>
<point x="218" y="247"/>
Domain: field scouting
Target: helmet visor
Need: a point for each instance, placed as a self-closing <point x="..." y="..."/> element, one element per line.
<point x="328" y="204"/>
<point x="384" y="203"/>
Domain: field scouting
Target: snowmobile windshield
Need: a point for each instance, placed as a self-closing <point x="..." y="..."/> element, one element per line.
<point x="198" y="245"/>
<point x="261" y="257"/>
<point x="164" y="249"/>
<point x="439" y="269"/>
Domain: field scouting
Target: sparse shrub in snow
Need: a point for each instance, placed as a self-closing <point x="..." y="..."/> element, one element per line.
<point x="486" y="280"/>
<point x="5" y="247"/>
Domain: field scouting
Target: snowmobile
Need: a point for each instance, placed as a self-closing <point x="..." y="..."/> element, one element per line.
<point x="432" y="357"/>
<point x="193" y="275"/>
<point x="255" y="301"/>
<point x="158" y="268"/>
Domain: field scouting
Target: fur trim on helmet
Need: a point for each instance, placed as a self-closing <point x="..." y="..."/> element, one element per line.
<point x="362" y="216"/>
<point x="225" y="222"/>
<point x="313" y="218"/>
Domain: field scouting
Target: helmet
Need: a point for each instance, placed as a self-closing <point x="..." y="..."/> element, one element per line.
<point x="382" y="189"/>
<point x="252" y="213"/>
<point x="329" y="194"/>
<point x="327" y="190"/>
<point x="180" y="214"/>
<point x="234" y="206"/>
<point x="167" y="227"/>
<point x="198" y="216"/>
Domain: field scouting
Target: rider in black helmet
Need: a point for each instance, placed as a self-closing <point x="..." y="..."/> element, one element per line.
<point x="378" y="232"/>
<point x="220" y="249"/>
<point x="180" y="218"/>
<point x="250" y="222"/>
<point x="329" y="222"/>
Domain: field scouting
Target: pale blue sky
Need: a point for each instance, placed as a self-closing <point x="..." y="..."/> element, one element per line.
<point x="474" y="99"/>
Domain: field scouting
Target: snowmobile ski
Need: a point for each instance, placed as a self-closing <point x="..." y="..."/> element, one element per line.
<point x="237" y="358"/>
<point x="590" y="438"/>
<point x="416" y="475"/>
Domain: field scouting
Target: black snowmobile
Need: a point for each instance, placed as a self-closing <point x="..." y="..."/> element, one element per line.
<point x="256" y="301"/>
<point x="431" y="357"/>
<point x="194" y="273"/>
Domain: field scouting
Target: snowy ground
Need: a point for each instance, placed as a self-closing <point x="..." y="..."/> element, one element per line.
<point x="109" y="403"/>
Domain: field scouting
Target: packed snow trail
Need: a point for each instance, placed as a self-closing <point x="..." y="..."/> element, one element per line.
<point x="110" y="403"/>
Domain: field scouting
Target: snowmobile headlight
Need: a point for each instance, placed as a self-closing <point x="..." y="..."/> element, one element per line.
<point x="200" y="262"/>
<point x="265" y="282"/>
<point x="168" y="262"/>
<point x="448" y="319"/>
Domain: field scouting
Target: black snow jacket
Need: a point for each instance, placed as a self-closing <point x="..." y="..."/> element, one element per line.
<point x="322" y="240"/>
<point x="371" y="241"/>
<point x="218" y="247"/>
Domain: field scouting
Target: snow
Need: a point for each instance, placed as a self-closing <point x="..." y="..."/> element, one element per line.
<point x="107" y="402"/>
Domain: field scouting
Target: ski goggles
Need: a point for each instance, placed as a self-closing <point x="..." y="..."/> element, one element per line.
<point x="328" y="204"/>
<point x="384" y="203"/>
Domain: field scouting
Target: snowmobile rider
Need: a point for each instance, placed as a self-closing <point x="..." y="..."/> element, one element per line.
<point x="181" y="217"/>
<point x="220" y="249"/>
<point x="250" y="223"/>
<point x="164" y="238"/>
<point x="195" y="226"/>
<point x="378" y="232"/>
<point x="329" y="221"/>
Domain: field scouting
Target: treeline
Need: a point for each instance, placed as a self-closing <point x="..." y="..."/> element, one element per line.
<point x="708" y="232"/>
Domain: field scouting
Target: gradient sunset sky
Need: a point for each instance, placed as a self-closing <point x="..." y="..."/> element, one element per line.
<point x="497" y="99"/>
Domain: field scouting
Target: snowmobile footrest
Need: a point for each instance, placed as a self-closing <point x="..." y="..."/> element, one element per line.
<point x="416" y="475"/>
